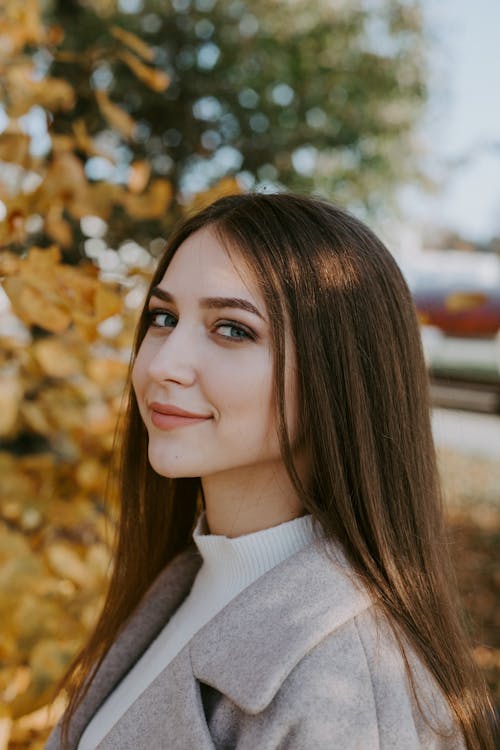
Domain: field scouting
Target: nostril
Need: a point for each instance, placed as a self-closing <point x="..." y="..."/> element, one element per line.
<point x="172" y="370"/>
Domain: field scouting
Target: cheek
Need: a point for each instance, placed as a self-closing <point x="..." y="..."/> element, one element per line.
<point x="243" y="394"/>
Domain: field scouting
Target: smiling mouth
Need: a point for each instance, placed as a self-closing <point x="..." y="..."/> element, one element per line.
<point x="170" y="417"/>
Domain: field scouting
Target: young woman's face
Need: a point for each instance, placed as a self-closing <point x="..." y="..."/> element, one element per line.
<point x="208" y="352"/>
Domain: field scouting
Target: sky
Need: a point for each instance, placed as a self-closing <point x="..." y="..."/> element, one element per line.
<point x="461" y="131"/>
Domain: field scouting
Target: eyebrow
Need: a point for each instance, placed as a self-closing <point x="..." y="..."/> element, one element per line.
<point x="210" y="303"/>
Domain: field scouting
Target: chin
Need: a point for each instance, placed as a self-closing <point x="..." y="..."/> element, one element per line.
<point x="170" y="469"/>
<point x="171" y="473"/>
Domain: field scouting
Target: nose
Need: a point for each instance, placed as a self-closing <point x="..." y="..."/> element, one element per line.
<point x="176" y="358"/>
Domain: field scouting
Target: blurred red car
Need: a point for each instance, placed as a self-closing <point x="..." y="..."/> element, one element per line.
<point x="457" y="296"/>
<point x="455" y="291"/>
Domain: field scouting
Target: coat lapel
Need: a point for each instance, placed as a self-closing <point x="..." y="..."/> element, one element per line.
<point x="168" y="715"/>
<point x="248" y="649"/>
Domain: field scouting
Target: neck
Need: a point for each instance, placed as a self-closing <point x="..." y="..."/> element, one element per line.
<point x="242" y="501"/>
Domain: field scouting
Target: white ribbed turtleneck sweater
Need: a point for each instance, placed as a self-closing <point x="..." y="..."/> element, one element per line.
<point x="229" y="565"/>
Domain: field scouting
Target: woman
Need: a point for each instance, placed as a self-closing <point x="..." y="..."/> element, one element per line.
<point x="279" y="416"/>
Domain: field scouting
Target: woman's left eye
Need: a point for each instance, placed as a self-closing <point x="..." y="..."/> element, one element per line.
<point x="235" y="331"/>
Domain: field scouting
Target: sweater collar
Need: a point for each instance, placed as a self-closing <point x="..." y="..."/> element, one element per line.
<point x="245" y="558"/>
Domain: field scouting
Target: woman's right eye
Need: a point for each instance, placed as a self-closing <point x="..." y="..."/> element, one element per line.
<point x="160" y="319"/>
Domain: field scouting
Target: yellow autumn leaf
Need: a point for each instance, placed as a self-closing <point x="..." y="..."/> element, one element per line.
<point x="138" y="176"/>
<point x="33" y="307"/>
<point x="92" y="306"/>
<point x="48" y="662"/>
<point x="80" y="511"/>
<point x="54" y="94"/>
<point x="226" y="186"/>
<point x="20" y="24"/>
<point x="65" y="562"/>
<point x="14" y="545"/>
<point x="25" y="91"/>
<point x="105" y="370"/>
<point x="64" y="182"/>
<point x="35" y="617"/>
<point x="117" y="117"/>
<point x="156" y="80"/>
<point x="79" y="283"/>
<point x="13" y="228"/>
<point x="14" y="486"/>
<point x="11" y="511"/>
<point x="100" y="199"/>
<point x="90" y="474"/>
<point x="28" y="14"/>
<point x="13" y="681"/>
<point x="9" y="263"/>
<point x="99" y="419"/>
<point x="35" y="418"/>
<point x="57" y="227"/>
<point x="62" y="143"/>
<point x="6" y="724"/>
<point x="107" y="303"/>
<point x="54" y="34"/>
<point x="63" y="408"/>
<point x="18" y="574"/>
<point x="11" y="393"/>
<point x="99" y="560"/>
<point x="91" y="612"/>
<point x="40" y="722"/>
<point x="8" y="647"/>
<point x="12" y="40"/>
<point x="50" y="658"/>
<point x="14" y="147"/>
<point x="150" y="205"/>
<point x="41" y="258"/>
<point x="38" y="463"/>
<point x="133" y="42"/>
<point x="84" y="141"/>
<point x="55" y="358"/>
<point x="21" y="503"/>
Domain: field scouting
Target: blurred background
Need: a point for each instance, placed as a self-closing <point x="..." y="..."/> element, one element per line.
<point x="119" y="116"/>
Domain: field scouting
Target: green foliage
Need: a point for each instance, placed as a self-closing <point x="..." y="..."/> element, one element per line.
<point x="306" y="94"/>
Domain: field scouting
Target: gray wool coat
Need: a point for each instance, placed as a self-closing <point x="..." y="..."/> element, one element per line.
<point x="299" y="660"/>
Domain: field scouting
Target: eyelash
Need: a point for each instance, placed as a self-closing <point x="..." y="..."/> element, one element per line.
<point x="248" y="334"/>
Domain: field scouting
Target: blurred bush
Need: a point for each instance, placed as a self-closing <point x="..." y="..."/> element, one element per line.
<point x="115" y="119"/>
<point x="60" y="394"/>
<point x="471" y="487"/>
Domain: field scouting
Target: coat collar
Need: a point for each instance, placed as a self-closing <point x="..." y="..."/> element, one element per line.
<point x="249" y="648"/>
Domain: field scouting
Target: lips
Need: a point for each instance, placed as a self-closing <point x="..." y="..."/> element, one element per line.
<point x="168" y="417"/>
<point x="175" y="411"/>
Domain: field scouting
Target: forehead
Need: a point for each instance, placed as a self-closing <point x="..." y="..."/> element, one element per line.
<point x="204" y="265"/>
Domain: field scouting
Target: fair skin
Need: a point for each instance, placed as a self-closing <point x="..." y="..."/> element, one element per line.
<point x="214" y="359"/>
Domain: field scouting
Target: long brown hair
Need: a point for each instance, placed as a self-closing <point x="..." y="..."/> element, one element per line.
<point x="364" y="415"/>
